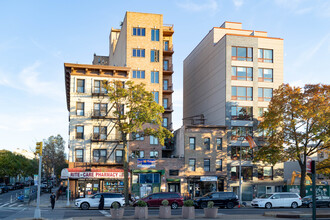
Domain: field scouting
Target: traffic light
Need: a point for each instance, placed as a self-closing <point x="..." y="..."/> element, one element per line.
<point x="39" y="148"/>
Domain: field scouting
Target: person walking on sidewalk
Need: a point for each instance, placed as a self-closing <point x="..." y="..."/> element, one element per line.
<point x="52" y="200"/>
<point x="101" y="205"/>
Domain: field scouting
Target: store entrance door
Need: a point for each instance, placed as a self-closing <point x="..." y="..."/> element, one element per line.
<point x="174" y="187"/>
<point x="145" y="190"/>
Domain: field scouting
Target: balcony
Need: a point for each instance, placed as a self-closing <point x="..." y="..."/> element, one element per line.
<point x="168" y="109"/>
<point x="168" y="51"/>
<point x="96" y="137"/>
<point x="168" y="90"/>
<point x="97" y="92"/>
<point x="168" y="70"/>
<point x="168" y="29"/>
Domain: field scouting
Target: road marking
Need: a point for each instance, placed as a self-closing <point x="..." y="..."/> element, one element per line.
<point x="4" y="204"/>
<point x="105" y="213"/>
<point x="12" y="205"/>
<point x="20" y="205"/>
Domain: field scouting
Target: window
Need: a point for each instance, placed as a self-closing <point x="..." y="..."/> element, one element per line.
<point x="265" y="75"/>
<point x="247" y="172"/>
<point x="119" y="156"/>
<point x="265" y="55"/>
<point x="100" y="109"/>
<point x="154" y="34"/>
<point x="241" y="93"/>
<point x="165" y="84"/>
<point x="265" y="94"/>
<point x="79" y="132"/>
<point x="174" y="172"/>
<point x="166" y="45"/>
<point x="241" y="73"/>
<point x="165" y="103"/>
<point x="219" y="143"/>
<point x="154" y="154"/>
<point x="237" y="132"/>
<point x="80" y="108"/>
<point x="192" y="143"/>
<point x="153" y="140"/>
<point x="154" y="55"/>
<point x="165" y="66"/>
<point x="79" y="155"/>
<point x="100" y="133"/>
<point x="165" y="122"/>
<point x="241" y="53"/>
<point x="99" y="156"/>
<point x="192" y="165"/>
<point x="139" y="74"/>
<point x="139" y="32"/>
<point x="149" y="178"/>
<point x="154" y="77"/>
<point x="156" y="96"/>
<point x="247" y="153"/>
<point x="206" y="165"/>
<point x="265" y="173"/>
<point x="138" y="137"/>
<point x="241" y="113"/>
<point x="121" y="109"/>
<point x="207" y="143"/>
<point x="98" y="88"/>
<point x="80" y="85"/>
<point x="218" y="165"/>
<point x="139" y="53"/>
<point x="137" y="154"/>
<point x="261" y="111"/>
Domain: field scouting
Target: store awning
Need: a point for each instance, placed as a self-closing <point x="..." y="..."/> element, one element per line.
<point x="94" y="173"/>
<point x="173" y="180"/>
<point x="162" y="172"/>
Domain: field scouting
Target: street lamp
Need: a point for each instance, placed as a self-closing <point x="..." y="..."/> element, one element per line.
<point x="240" y="170"/>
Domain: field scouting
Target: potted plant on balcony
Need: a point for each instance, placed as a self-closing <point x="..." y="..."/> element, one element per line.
<point x="141" y="210"/>
<point x="116" y="212"/>
<point x="165" y="210"/>
<point x="210" y="211"/>
<point x="188" y="209"/>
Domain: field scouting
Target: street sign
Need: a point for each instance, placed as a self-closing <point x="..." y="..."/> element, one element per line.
<point x="309" y="165"/>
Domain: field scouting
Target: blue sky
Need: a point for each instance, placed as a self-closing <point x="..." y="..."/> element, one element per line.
<point x="37" y="37"/>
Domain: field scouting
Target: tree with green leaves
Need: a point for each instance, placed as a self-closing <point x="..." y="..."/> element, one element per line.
<point x="296" y="125"/>
<point x="53" y="159"/>
<point x="136" y="112"/>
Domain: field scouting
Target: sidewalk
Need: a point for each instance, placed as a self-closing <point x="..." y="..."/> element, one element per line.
<point x="45" y="201"/>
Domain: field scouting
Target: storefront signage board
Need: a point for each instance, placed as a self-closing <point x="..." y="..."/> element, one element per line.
<point x="146" y="163"/>
<point x="96" y="175"/>
<point x="209" y="178"/>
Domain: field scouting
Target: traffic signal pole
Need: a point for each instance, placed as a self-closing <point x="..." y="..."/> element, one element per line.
<point x="37" y="213"/>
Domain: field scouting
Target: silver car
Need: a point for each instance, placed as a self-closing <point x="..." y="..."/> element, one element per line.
<point x="93" y="202"/>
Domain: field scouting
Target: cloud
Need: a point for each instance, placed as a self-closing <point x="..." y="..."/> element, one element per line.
<point x="302" y="7"/>
<point x="238" y="3"/>
<point x="197" y="6"/>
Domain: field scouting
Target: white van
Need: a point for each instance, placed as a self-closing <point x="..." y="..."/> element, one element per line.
<point x="280" y="199"/>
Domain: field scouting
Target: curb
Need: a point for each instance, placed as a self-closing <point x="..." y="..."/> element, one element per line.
<point x="294" y="215"/>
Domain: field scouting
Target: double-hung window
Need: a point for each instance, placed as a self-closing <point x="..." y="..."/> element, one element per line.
<point x="100" y="133"/>
<point x="100" y="109"/>
<point x="79" y="155"/>
<point x="218" y="165"/>
<point x="219" y="143"/>
<point x="241" y="113"/>
<point x="265" y="75"/>
<point x="241" y="53"/>
<point x="154" y="55"/>
<point x="241" y="93"/>
<point x="138" y="137"/>
<point x="192" y="143"/>
<point x="79" y="132"/>
<point x="206" y="165"/>
<point x="192" y="165"/>
<point x="98" y="87"/>
<point x="99" y="155"/>
<point x="241" y="73"/>
<point x="119" y="156"/>
<point x="154" y="34"/>
<point x="153" y="140"/>
<point x="265" y="55"/>
<point x="139" y="31"/>
<point x="207" y="143"/>
<point x="265" y="94"/>
<point x="137" y="154"/>
<point x="80" y="108"/>
<point x="139" y="53"/>
<point x="154" y="77"/>
<point x="153" y="154"/>
<point x="80" y="85"/>
<point x="139" y="74"/>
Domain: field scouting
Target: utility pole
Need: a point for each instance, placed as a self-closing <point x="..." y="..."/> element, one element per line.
<point x="37" y="213"/>
<point x="313" y="190"/>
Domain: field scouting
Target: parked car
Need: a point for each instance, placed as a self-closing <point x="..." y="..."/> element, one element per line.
<point x="18" y="185"/>
<point x="4" y="187"/>
<point x="307" y="201"/>
<point x="280" y="199"/>
<point x="93" y="202"/>
<point x="155" y="199"/>
<point x="220" y="199"/>
<point x="10" y="186"/>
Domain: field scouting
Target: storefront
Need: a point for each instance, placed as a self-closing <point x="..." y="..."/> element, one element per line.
<point x="200" y="185"/>
<point x="145" y="182"/>
<point x="173" y="185"/>
<point x="85" y="183"/>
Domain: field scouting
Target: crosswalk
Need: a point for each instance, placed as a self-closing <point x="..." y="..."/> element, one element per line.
<point x="105" y="213"/>
<point x="15" y="204"/>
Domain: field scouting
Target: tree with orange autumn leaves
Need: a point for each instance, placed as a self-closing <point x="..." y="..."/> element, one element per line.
<point x="296" y="126"/>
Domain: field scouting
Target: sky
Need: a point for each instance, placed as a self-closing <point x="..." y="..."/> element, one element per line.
<point x="38" y="37"/>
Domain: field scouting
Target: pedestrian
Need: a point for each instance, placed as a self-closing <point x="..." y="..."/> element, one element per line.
<point x="101" y="205"/>
<point x="52" y="200"/>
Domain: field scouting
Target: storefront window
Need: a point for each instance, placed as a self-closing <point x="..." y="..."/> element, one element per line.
<point x="113" y="186"/>
<point x="149" y="178"/>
